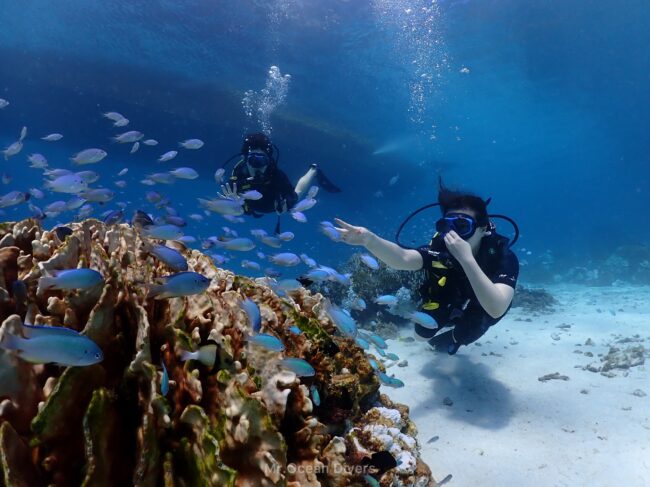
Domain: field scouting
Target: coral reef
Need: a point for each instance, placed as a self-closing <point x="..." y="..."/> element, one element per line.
<point x="243" y="422"/>
<point x="533" y="300"/>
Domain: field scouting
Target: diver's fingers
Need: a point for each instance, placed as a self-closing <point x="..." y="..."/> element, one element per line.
<point x="343" y="224"/>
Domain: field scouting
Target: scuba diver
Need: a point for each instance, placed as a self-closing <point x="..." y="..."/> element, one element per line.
<point x="470" y="271"/>
<point x="257" y="169"/>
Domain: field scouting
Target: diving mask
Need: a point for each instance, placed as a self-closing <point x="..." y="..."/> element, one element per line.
<point x="464" y="225"/>
<point x="257" y="160"/>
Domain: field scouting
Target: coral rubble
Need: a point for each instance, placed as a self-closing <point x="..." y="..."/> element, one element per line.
<point x="243" y="422"/>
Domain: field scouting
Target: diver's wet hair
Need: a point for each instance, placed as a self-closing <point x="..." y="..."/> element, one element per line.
<point x="257" y="141"/>
<point x="455" y="200"/>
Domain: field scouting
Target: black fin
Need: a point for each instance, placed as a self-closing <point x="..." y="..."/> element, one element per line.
<point x="304" y="281"/>
<point x="325" y="183"/>
<point x="141" y="219"/>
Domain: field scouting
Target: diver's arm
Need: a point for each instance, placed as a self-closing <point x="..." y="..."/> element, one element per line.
<point x="493" y="297"/>
<point x="388" y="252"/>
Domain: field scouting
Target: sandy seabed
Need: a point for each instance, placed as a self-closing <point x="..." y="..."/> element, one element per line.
<point x="497" y="424"/>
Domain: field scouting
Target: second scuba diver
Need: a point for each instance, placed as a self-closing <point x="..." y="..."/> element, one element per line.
<point x="257" y="169"/>
<point x="471" y="273"/>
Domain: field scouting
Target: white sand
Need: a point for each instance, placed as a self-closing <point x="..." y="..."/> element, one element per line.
<point x="506" y="428"/>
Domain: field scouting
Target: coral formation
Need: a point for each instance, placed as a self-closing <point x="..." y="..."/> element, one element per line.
<point x="533" y="300"/>
<point x="243" y="422"/>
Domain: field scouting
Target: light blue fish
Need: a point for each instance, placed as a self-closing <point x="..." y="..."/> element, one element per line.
<point x="380" y="351"/>
<point x="286" y="236"/>
<point x="343" y="321"/>
<point x="69" y="183"/>
<point x="184" y="173"/>
<point x="386" y="300"/>
<point x="308" y="261"/>
<point x="99" y="195"/>
<point x="298" y="366"/>
<point x="68" y="279"/>
<point x="390" y="381"/>
<point x="377" y="340"/>
<point x="223" y="206"/>
<point x="273" y="242"/>
<point x="252" y="194"/>
<point x="88" y="176"/>
<point x="240" y="244"/>
<point x="114" y="217"/>
<point x="392" y="356"/>
<point x="373" y="363"/>
<point x="50" y="344"/>
<point x="269" y="342"/>
<point x="207" y="355"/>
<point x="362" y="343"/>
<point x="181" y="284"/>
<point x="370" y="261"/>
<point x="162" y="232"/>
<point x="286" y="285"/>
<point x="286" y="259"/>
<point x="299" y="216"/>
<point x="317" y="275"/>
<point x="372" y="481"/>
<point x="295" y="330"/>
<point x="171" y="257"/>
<point x="175" y="220"/>
<point x="422" y="319"/>
<point x="332" y="233"/>
<point x="253" y="312"/>
<point x="164" y="383"/>
<point x="315" y="395"/>
<point x="250" y="265"/>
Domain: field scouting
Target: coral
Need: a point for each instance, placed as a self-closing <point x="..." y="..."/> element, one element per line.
<point x="243" y="422"/>
<point x="533" y="300"/>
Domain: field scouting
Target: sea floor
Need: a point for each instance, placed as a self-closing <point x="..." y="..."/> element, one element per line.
<point x="484" y="416"/>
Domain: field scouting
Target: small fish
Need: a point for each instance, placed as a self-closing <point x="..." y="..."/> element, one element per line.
<point x="370" y="261"/>
<point x="53" y="209"/>
<point x="181" y="284"/>
<point x="74" y="203"/>
<point x="304" y="205"/>
<point x="260" y="254"/>
<point x="392" y="356"/>
<point x="250" y="265"/>
<point x="271" y="272"/>
<point x="175" y="220"/>
<point x="184" y="173"/>
<point x="298" y="366"/>
<point x="252" y="195"/>
<point x="377" y="341"/>
<point x="84" y="212"/>
<point x="253" y="312"/>
<point x="99" y="195"/>
<point x="240" y="244"/>
<point x="362" y="343"/>
<point x="120" y="184"/>
<point x="147" y="182"/>
<point x="288" y="285"/>
<point x="88" y="176"/>
<point x="218" y="175"/>
<point x="23" y="134"/>
<point x="123" y="122"/>
<point x="13" y="198"/>
<point x="286" y="259"/>
<point x="393" y="180"/>
<point x="386" y="300"/>
<point x="6" y="178"/>
<point x="114" y="217"/>
<point x="298" y="216"/>
<point x="36" y="212"/>
<point x="372" y="481"/>
<point x="162" y="232"/>
<point x="269" y="342"/>
<point x="373" y="363"/>
<point x="308" y="261"/>
<point x="273" y="242"/>
<point x="164" y="382"/>
<point x="207" y="355"/>
<point x="390" y="381"/>
<point x="196" y="217"/>
<point x="295" y="330"/>
<point x="168" y="156"/>
<point x="113" y="116"/>
<point x="13" y="149"/>
<point x="223" y="206"/>
<point x="315" y="395"/>
<point x="52" y="137"/>
<point x="286" y="236"/>
<point x="330" y="232"/>
<point x="191" y="144"/>
<point x="134" y="148"/>
<point x="187" y="239"/>
<point x="153" y="196"/>
<point x="343" y="321"/>
<point x="68" y="279"/>
<point x="70" y="183"/>
<point x="433" y="439"/>
<point x="312" y="192"/>
<point x="37" y="161"/>
<point x="150" y="142"/>
<point x="89" y="156"/>
<point x="3" y="103"/>
<point x="56" y="173"/>
<point x="422" y="319"/>
<point x="128" y="137"/>
<point x="57" y="345"/>
<point x="36" y="193"/>
<point x="359" y="304"/>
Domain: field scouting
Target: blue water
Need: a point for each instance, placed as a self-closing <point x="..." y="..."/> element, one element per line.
<point x="541" y="105"/>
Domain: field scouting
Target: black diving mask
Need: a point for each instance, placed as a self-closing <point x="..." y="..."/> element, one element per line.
<point x="464" y="225"/>
<point x="257" y="160"/>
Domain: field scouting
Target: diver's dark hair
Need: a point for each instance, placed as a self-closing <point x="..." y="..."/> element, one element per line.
<point x="455" y="200"/>
<point x="257" y="141"/>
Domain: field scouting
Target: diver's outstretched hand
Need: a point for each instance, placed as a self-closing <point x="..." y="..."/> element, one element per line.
<point x="352" y="235"/>
<point x="229" y="192"/>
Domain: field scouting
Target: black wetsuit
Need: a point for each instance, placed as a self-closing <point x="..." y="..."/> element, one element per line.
<point x="458" y="305"/>
<point x="273" y="184"/>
